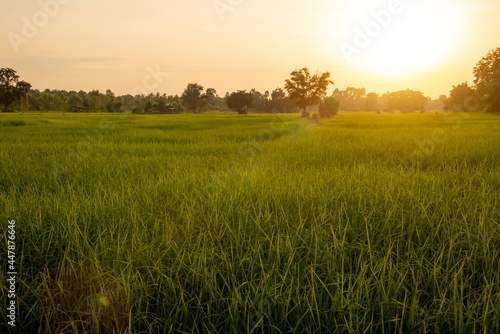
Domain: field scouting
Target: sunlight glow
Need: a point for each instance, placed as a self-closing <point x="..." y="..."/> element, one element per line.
<point x="399" y="37"/>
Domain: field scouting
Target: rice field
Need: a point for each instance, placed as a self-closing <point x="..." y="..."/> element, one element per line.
<point x="221" y="223"/>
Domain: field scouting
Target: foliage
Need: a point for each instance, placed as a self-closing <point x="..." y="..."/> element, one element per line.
<point x="278" y="94"/>
<point x="371" y="102"/>
<point x="275" y="102"/>
<point x="178" y="106"/>
<point x="240" y="101"/>
<point x="351" y="99"/>
<point x="437" y="104"/>
<point x="259" y="101"/>
<point x="75" y="100"/>
<point x="11" y="88"/>
<point x="191" y="97"/>
<point x="406" y="101"/>
<point x="329" y="107"/>
<point x="114" y="106"/>
<point x="22" y="103"/>
<point x="462" y="98"/>
<point x="306" y="89"/>
<point x="209" y="98"/>
<point x="194" y="99"/>
<point x="280" y="103"/>
<point x="487" y="80"/>
<point x="46" y="101"/>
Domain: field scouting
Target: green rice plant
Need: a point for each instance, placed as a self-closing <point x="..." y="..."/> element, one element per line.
<point x="216" y="223"/>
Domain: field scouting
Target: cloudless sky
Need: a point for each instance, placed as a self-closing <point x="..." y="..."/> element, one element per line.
<point x="245" y="44"/>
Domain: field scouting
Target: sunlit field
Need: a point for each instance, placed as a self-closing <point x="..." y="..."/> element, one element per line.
<point x="220" y="223"/>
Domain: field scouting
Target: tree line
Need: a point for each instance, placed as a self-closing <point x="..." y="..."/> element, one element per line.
<point x="303" y="92"/>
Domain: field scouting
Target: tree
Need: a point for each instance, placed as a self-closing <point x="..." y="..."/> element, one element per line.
<point x="351" y="99"/>
<point x="208" y="98"/>
<point x="406" y="101"/>
<point x="240" y="101"/>
<point x="371" y="102"/>
<point x="305" y="89"/>
<point x="192" y="97"/>
<point x="22" y="103"/>
<point x="278" y="94"/>
<point x="211" y="93"/>
<point x="75" y="101"/>
<point x="61" y="102"/>
<point x="280" y="103"/>
<point x="260" y="102"/>
<point x="46" y="101"/>
<point x="95" y="100"/>
<point x="487" y="80"/>
<point x="436" y="104"/>
<point x="178" y="107"/>
<point x="329" y="107"/>
<point x="462" y="98"/>
<point x="11" y="88"/>
<point x="148" y="107"/>
<point x="110" y="93"/>
<point x="114" y="106"/>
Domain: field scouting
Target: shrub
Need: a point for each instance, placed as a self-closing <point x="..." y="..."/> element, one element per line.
<point x="329" y="107"/>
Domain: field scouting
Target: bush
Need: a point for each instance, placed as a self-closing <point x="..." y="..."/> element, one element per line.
<point x="329" y="107"/>
<point x="240" y="101"/>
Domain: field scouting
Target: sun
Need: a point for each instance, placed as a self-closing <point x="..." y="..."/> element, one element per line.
<point x="398" y="37"/>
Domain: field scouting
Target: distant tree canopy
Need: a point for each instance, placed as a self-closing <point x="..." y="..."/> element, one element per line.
<point x="487" y="80"/>
<point x="240" y="101"/>
<point x="194" y="99"/>
<point x="351" y="99"/>
<point x="406" y="101"/>
<point x="305" y="89"/>
<point x="11" y="89"/>
<point x="210" y="94"/>
<point x="280" y="103"/>
<point x="75" y="100"/>
<point x="356" y="99"/>
<point x="329" y="107"/>
<point x="278" y="94"/>
<point x="437" y="104"/>
<point x="192" y="96"/>
<point x="462" y="98"/>
<point x="275" y="102"/>
<point x="371" y="102"/>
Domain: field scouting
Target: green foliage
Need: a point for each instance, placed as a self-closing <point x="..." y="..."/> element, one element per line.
<point x="46" y="101"/>
<point x="371" y="102"/>
<point x="487" y="80"/>
<point x="329" y="107"/>
<point x="75" y="100"/>
<point x="305" y="89"/>
<point x="11" y="89"/>
<point x="280" y="103"/>
<point x="192" y="97"/>
<point x="22" y="103"/>
<point x="178" y="107"/>
<point x="351" y="99"/>
<point x="240" y="101"/>
<point x="114" y="106"/>
<point x="278" y="94"/>
<point x="406" y="101"/>
<point x="462" y="98"/>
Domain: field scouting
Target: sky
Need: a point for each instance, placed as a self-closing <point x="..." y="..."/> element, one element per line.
<point x="161" y="46"/>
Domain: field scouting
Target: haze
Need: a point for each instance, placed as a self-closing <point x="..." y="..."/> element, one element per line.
<point x="231" y="45"/>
